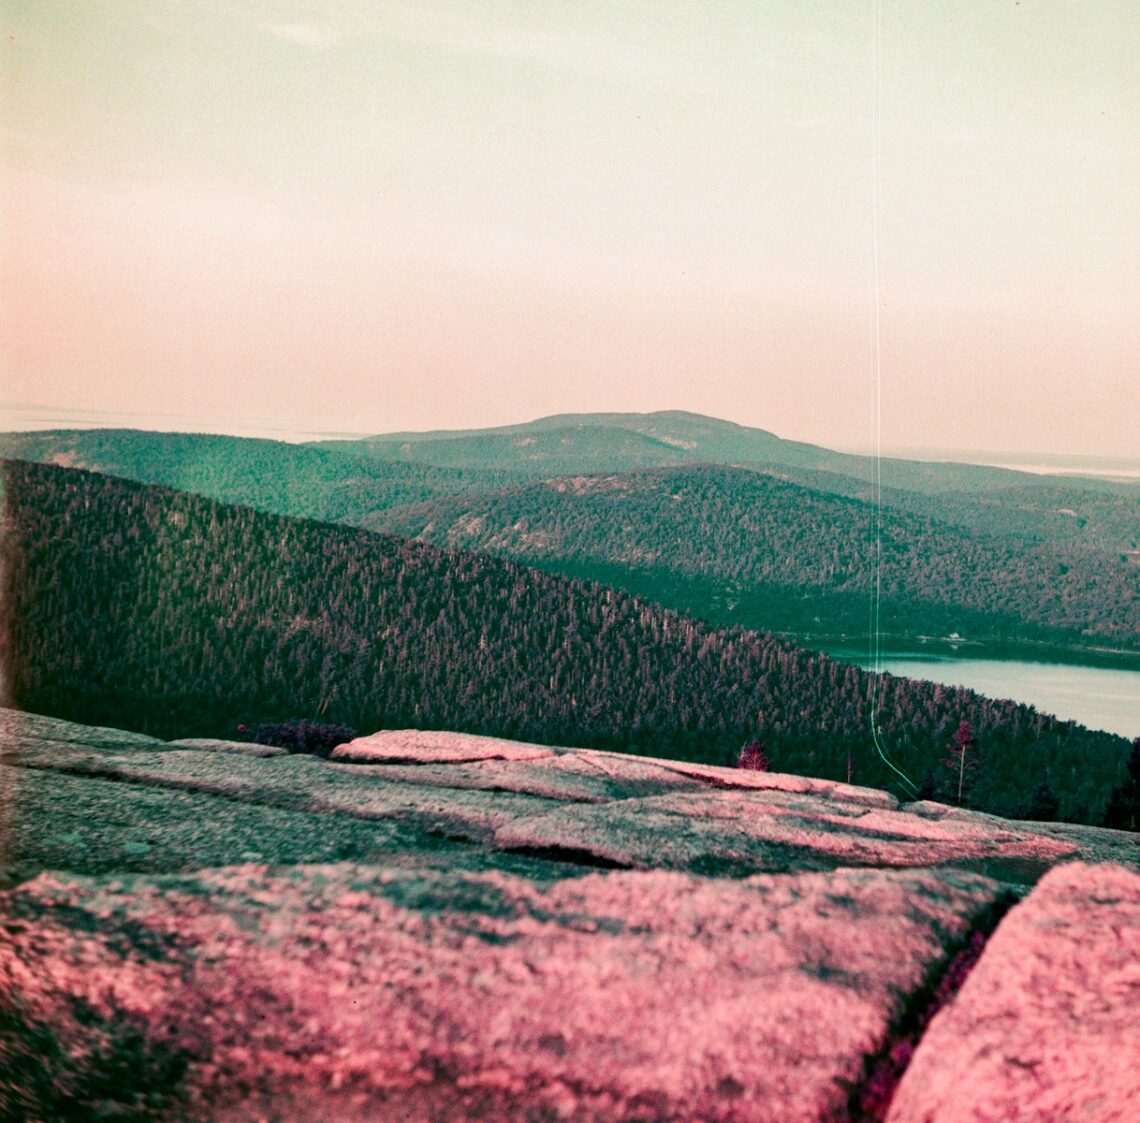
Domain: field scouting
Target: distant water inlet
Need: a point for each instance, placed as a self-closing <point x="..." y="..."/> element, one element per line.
<point x="1097" y="697"/>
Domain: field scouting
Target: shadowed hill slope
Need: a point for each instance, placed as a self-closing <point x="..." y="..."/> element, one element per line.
<point x="162" y="611"/>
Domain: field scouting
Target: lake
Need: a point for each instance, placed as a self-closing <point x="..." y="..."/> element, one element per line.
<point x="1097" y="697"/>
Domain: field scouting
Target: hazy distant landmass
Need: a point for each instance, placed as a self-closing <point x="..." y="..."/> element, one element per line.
<point x="1040" y="463"/>
<point x="29" y="418"/>
<point x="24" y="417"/>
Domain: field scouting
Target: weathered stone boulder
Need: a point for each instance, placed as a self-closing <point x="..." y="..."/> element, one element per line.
<point x="429" y="746"/>
<point x="1047" y="1027"/>
<point x="442" y="996"/>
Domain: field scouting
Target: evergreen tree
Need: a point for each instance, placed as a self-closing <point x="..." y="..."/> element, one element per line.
<point x="962" y="760"/>
<point x="1045" y="805"/>
<point x="754" y="757"/>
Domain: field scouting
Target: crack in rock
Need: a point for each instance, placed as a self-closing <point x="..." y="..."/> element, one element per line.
<point x="870" y="1101"/>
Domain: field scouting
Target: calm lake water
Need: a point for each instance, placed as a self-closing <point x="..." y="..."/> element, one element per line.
<point x="1094" y="696"/>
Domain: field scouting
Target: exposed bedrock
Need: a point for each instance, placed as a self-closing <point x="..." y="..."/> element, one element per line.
<point x="1047" y="1027"/>
<point x="481" y="996"/>
<point x="464" y="928"/>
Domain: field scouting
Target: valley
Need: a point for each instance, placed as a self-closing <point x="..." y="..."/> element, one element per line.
<point x="669" y="592"/>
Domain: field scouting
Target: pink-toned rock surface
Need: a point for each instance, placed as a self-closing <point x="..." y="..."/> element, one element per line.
<point x="772" y="830"/>
<point x="515" y="794"/>
<point x="213" y="745"/>
<point x="468" y="973"/>
<point x="433" y="747"/>
<point x="774" y="781"/>
<point x="373" y="993"/>
<point x="296" y="781"/>
<point x="1047" y="1028"/>
<point x="604" y="808"/>
<point x="576" y="776"/>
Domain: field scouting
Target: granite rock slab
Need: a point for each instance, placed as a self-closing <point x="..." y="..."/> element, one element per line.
<point x="432" y="747"/>
<point x="771" y="830"/>
<point x="429" y="996"/>
<point x="1047" y="1027"/>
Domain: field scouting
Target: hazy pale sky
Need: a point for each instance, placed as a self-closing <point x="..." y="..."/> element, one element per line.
<point x="382" y="216"/>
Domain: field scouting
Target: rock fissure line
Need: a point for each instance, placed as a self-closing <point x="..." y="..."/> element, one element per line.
<point x="112" y="775"/>
<point x="870" y="1101"/>
<point x="571" y="855"/>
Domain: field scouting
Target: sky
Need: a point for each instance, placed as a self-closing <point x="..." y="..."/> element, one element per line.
<point x="377" y="216"/>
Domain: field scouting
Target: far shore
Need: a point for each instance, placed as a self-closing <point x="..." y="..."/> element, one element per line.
<point x="942" y="648"/>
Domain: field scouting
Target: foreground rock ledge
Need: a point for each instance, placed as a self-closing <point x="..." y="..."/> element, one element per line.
<point x="447" y="951"/>
<point x="327" y="991"/>
<point x="1047" y="1027"/>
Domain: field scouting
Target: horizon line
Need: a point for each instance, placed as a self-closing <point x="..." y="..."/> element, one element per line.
<point x="61" y="418"/>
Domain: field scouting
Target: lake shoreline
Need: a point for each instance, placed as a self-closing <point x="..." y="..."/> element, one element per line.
<point x="1100" y="698"/>
<point x="850" y="648"/>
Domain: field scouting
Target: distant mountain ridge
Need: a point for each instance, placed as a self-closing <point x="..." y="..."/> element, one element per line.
<point x="684" y="438"/>
<point x="348" y="481"/>
<point x="1019" y="554"/>
<point x="530" y="453"/>
<point x="307" y="481"/>
<point x="666" y="425"/>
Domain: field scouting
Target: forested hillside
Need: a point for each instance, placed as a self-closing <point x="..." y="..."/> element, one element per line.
<point x="542" y="453"/>
<point x="733" y="544"/>
<point x="160" y="611"/>
<point x="287" y="479"/>
<point x="1033" y="511"/>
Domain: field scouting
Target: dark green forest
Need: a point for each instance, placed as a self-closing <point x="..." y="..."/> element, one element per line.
<point x="155" y="610"/>
<point x="286" y="479"/>
<point x="731" y="544"/>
